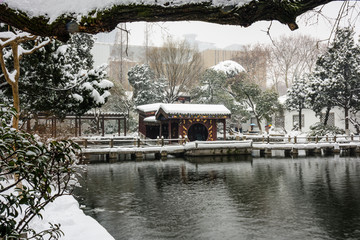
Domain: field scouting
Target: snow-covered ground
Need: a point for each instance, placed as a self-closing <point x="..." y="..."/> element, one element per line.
<point x="74" y="223"/>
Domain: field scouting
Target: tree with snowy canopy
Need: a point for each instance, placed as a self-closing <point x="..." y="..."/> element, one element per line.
<point x="263" y="104"/>
<point x="59" y="79"/>
<point x="211" y="90"/>
<point x="319" y="99"/>
<point x="338" y="70"/>
<point x="297" y="97"/>
<point x="146" y="88"/>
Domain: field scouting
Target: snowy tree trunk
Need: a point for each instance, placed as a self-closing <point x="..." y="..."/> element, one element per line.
<point x="13" y="40"/>
<point x="15" y="92"/>
<point x="326" y="117"/>
<point x="259" y="123"/>
<point x="346" y="109"/>
<point x="300" y="118"/>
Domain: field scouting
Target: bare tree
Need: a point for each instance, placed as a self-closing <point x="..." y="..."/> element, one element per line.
<point x="178" y="64"/>
<point x="254" y="59"/>
<point x="290" y="57"/>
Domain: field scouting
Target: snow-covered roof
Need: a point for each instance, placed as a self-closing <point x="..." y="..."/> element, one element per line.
<point x="194" y="109"/>
<point x="150" y="119"/>
<point x="228" y="66"/>
<point x="213" y="109"/>
<point x="153" y="107"/>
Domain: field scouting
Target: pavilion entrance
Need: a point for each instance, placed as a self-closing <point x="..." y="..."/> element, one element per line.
<point x="198" y="132"/>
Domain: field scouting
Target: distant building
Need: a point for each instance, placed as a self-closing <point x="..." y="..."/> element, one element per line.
<point x="196" y="121"/>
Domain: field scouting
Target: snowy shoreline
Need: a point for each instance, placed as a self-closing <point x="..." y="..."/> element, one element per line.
<point x="74" y="223"/>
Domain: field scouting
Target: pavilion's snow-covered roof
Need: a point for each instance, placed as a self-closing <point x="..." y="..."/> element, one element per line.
<point x="150" y="119"/>
<point x="153" y="107"/>
<point x="213" y="109"/>
<point x="194" y="109"/>
<point x="180" y="108"/>
<point x="55" y="8"/>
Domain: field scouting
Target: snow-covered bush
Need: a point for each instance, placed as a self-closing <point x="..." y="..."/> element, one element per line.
<point x="32" y="174"/>
<point x="319" y="129"/>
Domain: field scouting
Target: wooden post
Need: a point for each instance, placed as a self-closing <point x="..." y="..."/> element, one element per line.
<point x="162" y="141"/>
<point x="52" y="127"/>
<point x="169" y="130"/>
<point x="125" y="126"/>
<point x="334" y="138"/>
<point x="118" y="127"/>
<point x="295" y="139"/>
<point x="111" y="143"/>
<point x="76" y="127"/>
<point x="160" y="130"/>
<point x="55" y="127"/>
<point x="79" y="126"/>
<point x="224" y="129"/>
<point x="97" y="125"/>
<point x="268" y="139"/>
<point x="85" y="143"/>
<point x="102" y="126"/>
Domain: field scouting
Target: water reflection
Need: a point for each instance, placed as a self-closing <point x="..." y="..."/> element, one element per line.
<point x="305" y="198"/>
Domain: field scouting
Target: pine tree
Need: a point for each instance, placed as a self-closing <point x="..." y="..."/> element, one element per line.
<point x="338" y="70"/>
<point x="146" y="88"/>
<point x="297" y="96"/>
<point x="211" y="87"/>
<point x="60" y="79"/>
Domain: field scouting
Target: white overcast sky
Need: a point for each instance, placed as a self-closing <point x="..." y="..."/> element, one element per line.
<point x="225" y="35"/>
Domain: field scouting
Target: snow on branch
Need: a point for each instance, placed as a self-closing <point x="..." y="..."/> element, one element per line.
<point x="22" y="51"/>
<point x="59" y="18"/>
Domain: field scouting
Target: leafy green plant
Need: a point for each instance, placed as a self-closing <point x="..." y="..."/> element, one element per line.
<point x="32" y="174"/>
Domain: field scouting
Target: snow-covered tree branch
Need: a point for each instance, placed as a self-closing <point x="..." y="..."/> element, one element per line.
<point x="14" y="40"/>
<point x="58" y="18"/>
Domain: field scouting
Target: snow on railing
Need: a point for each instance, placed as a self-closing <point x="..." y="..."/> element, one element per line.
<point x="139" y="142"/>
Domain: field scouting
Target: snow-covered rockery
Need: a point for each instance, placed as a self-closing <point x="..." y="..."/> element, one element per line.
<point x="55" y="8"/>
<point x="229" y="67"/>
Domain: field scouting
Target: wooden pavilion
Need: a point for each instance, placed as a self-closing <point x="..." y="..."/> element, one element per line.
<point x="196" y="121"/>
<point x="77" y="130"/>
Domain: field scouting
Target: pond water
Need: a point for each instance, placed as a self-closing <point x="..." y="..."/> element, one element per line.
<point x="274" y="198"/>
